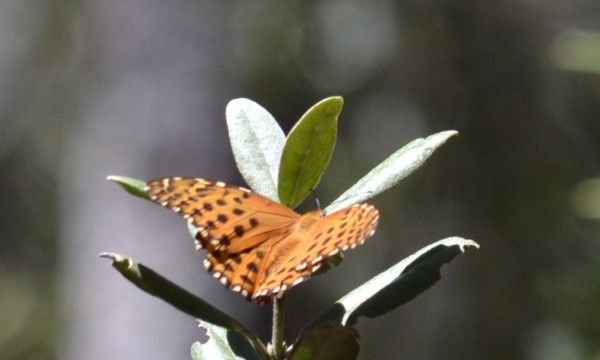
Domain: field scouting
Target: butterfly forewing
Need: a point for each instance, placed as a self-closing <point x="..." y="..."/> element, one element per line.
<point x="222" y="214"/>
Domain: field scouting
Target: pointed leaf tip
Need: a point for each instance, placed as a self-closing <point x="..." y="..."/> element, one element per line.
<point x="133" y="186"/>
<point x="108" y="255"/>
<point x="118" y="259"/>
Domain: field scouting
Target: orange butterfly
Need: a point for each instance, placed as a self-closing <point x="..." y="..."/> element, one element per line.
<point x="256" y="246"/>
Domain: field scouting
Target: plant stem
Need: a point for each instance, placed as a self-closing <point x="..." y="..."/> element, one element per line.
<point x="277" y="338"/>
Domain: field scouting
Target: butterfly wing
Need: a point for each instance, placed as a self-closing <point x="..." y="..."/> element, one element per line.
<point x="240" y="272"/>
<point x="254" y="245"/>
<point x="228" y="219"/>
<point x="295" y="257"/>
<point x="246" y="272"/>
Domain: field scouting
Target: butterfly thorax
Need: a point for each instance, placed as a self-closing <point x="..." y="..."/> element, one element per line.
<point x="307" y="221"/>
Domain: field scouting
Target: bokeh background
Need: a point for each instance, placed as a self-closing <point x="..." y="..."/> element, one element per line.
<point x="139" y="88"/>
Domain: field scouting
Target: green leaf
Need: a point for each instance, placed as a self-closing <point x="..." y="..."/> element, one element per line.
<point x="329" y="342"/>
<point x="395" y="286"/>
<point x="395" y="168"/>
<point x="133" y="186"/>
<point x="307" y="150"/>
<point x="257" y="143"/>
<point x="218" y="343"/>
<point x="156" y="285"/>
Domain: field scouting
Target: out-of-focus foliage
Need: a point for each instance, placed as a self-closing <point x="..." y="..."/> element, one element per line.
<point x="139" y="87"/>
<point x="578" y="50"/>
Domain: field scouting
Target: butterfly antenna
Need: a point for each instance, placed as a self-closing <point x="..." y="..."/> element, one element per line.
<point x="314" y="193"/>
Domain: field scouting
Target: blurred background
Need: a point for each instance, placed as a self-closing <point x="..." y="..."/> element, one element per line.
<point x="139" y="88"/>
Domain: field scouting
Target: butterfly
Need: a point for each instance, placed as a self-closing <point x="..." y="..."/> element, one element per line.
<point x="255" y="246"/>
